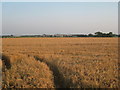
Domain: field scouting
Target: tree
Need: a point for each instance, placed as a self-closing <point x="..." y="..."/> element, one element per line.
<point x="11" y="35"/>
<point x="110" y="34"/>
<point x="99" y="34"/>
<point x="90" y="35"/>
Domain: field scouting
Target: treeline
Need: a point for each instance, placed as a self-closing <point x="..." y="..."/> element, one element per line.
<point x="96" y="34"/>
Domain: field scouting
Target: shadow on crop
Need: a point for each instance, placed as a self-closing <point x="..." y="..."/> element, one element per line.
<point x="6" y="61"/>
<point x="59" y="80"/>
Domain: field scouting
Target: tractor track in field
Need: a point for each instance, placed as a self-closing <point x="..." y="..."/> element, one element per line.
<point x="59" y="80"/>
<point x="6" y="62"/>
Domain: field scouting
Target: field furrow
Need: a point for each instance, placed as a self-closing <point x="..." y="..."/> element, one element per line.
<point x="58" y="77"/>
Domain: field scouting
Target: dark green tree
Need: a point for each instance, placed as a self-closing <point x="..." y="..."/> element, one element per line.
<point x="90" y="35"/>
<point x="98" y="34"/>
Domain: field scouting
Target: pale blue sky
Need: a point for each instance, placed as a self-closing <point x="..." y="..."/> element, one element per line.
<point x="51" y="18"/>
<point x="60" y="0"/>
<point x="0" y="18"/>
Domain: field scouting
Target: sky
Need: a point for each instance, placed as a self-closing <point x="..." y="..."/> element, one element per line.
<point x="20" y="18"/>
<point x="0" y="18"/>
<point x="59" y="0"/>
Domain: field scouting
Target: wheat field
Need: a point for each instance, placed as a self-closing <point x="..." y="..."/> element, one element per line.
<point x="60" y="62"/>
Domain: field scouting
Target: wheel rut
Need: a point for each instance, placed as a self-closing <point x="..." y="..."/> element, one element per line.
<point x="6" y="62"/>
<point x="59" y="80"/>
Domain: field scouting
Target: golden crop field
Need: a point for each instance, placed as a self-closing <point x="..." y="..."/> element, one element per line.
<point x="60" y="62"/>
